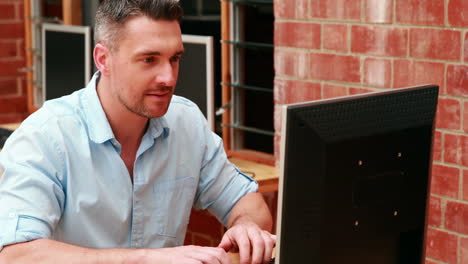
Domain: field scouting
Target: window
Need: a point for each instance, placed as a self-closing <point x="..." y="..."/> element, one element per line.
<point x="201" y="9"/>
<point x="248" y="76"/>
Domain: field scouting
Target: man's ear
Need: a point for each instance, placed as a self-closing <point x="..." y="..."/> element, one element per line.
<point x="101" y="56"/>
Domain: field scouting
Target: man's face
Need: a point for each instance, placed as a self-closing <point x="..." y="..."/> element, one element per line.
<point x="143" y="70"/>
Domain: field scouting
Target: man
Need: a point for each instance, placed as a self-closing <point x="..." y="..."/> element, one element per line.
<point x="110" y="173"/>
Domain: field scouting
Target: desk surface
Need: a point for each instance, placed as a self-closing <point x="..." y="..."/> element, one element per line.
<point x="10" y="126"/>
<point x="234" y="258"/>
<point x="266" y="176"/>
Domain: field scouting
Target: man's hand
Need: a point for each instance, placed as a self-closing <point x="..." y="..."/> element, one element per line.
<point x="51" y="251"/>
<point x="249" y="240"/>
<point x="185" y="255"/>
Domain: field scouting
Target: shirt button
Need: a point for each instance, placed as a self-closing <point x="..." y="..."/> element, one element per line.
<point x="11" y="215"/>
<point x="135" y="244"/>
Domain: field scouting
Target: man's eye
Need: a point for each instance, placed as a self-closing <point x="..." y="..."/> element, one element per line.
<point x="175" y="59"/>
<point x="148" y="60"/>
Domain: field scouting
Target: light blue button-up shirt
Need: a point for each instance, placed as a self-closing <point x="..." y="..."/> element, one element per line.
<point x="64" y="178"/>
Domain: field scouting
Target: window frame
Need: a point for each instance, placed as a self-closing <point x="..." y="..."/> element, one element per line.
<point x="232" y="30"/>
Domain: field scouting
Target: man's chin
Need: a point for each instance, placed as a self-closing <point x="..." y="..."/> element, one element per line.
<point x="156" y="113"/>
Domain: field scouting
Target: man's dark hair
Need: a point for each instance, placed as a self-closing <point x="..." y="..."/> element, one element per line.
<point x="112" y="15"/>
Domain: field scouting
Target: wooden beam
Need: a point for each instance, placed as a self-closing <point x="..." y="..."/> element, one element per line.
<point x="226" y="71"/>
<point x="72" y="12"/>
<point x="29" y="55"/>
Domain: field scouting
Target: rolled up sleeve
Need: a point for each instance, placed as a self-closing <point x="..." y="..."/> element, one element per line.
<point x="31" y="193"/>
<point x="221" y="184"/>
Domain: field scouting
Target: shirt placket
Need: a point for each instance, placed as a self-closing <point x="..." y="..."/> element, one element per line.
<point x="137" y="212"/>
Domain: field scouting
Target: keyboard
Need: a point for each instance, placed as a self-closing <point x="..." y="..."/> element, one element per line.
<point x="4" y="134"/>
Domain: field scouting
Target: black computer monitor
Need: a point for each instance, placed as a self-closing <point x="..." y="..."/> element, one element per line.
<point x="66" y="59"/>
<point x="355" y="178"/>
<point x="196" y="74"/>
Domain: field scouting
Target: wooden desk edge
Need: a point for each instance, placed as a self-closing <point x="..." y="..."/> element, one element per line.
<point x="266" y="176"/>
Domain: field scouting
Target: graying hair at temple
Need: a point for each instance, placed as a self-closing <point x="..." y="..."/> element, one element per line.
<point x="112" y="15"/>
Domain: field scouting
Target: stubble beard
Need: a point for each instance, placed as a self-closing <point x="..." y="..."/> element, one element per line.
<point x="139" y="108"/>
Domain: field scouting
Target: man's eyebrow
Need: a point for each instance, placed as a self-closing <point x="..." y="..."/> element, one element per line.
<point x="157" y="53"/>
<point x="149" y="53"/>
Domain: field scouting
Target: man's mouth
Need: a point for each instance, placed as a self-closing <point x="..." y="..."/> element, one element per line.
<point x="159" y="93"/>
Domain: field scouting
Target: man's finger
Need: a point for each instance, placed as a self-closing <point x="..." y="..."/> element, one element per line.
<point x="269" y="245"/>
<point x="209" y="255"/>
<point x="258" y="245"/>
<point x="243" y="243"/>
<point x="226" y="243"/>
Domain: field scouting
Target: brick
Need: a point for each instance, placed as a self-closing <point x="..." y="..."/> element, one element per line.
<point x="379" y="40"/>
<point x="8" y="49"/>
<point x="205" y="223"/>
<point x="335" y="37"/>
<point x="457" y="80"/>
<point x="353" y="90"/>
<point x="379" y="11"/>
<point x="293" y="9"/>
<point x="8" y="86"/>
<point x="466" y="47"/>
<point x="408" y="73"/>
<point x="10" y="68"/>
<point x="456" y="215"/>
<point x="12" y="30"/>
<point x="448" y="114"/>
<point x="331" y="67"/>
<point x="455" y="146"/>
<point x="13" y="104"/>
<point x="445" y="181"/>
<point x="420" y="12"/>
<point x="20" y="48"/>
<point x="465" y="185"/>
<point x="22" y="86"/>
<point x="457" y="13"/>
<point x="336" y="9"/>
<point x="291" y="91"/>
<point x="377" y="72"/>
<point x="20" y="11"/>
<point x="435" y="211"/>
<point x="463" y="250"/>
<point x="12" y="117"/>
<point x="7" y="11"/>
<point x="331" y="91"/>
<point x="298" y="35"/>
<point x="441" y="246"/>
<point x="440" y="44"/>
<point x="291" y="63"/>
<point x="465" y="117"/>
<point x="437" y="146"/>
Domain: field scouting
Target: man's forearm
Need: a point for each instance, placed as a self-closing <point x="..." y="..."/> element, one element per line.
<point x="51" y="252"/>
<point x="252" y="207"/>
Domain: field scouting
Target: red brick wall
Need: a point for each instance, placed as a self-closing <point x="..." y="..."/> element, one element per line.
<point x="329" y="48"/>
<point x="13" y="103"/>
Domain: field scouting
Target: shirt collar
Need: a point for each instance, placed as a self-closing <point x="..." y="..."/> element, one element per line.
<point x="99" y="128"/>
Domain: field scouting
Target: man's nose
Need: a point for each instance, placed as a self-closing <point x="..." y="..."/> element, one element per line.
<point x="166" y="75"/>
